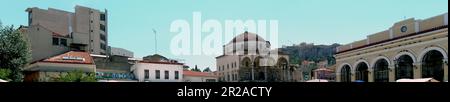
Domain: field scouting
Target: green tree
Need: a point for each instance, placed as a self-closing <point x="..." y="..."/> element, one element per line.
<point x="14" y="52"/>
<point x="76" y="76"/>
<point x="4" y="74"/>
<point x="196" y="69"/>
<point x="207" y="69"/>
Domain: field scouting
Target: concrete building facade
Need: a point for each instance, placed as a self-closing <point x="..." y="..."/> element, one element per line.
<point x="410" y="49"/>
<point x="52" y="31"/>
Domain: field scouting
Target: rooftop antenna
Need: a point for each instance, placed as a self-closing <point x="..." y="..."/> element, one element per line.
<point x="156" y="45"/>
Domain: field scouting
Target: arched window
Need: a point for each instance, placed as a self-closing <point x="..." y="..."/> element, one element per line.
<point x="432" y="65"/>
<point x="362" y="72"/>
<point x="345" y="74"/>
<point x="404" y="67"/>
<point x="381" y="71"/>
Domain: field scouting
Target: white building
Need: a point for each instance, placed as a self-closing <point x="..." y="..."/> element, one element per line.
<point x="192" y="76"/>
<point x="157" y="68"/>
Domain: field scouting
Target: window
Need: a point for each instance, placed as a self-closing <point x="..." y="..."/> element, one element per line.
<point x="64" y="42"/>
<point x="30" y="15"/>
<point x="232" y="76"/>
<point x="103" y="17"/>
<point x="157" y="73"/>
<point x="102" y="37"/>
<point x="102" y="46"/>
<point x="176" y="75"/>
<point x="146" y="74"/>
<point x="55" y="41"/>
<point x="102" y="27"/>
<point x="166" y="74"/>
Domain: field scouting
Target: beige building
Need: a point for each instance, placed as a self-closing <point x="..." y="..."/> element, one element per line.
<point x="52" y="31"/>
<point x="248" y="57"/>
<point x="410" y="49"/>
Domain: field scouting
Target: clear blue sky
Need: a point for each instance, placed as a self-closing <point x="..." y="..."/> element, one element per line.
<point x="312" y="21"/>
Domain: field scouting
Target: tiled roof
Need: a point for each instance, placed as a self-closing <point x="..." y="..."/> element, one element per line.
<point x="246" y="36"/>
<point x="71" y="57"/>
<point x="192" y="73"/>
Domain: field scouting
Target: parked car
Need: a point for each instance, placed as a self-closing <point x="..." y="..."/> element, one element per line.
<point x="1" y="80"/>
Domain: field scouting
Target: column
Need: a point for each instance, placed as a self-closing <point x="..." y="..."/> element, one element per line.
<point x="370" y="75"/>
<point x="301" y="75"/>
<point x="446" y="69"/>
<point x="417" y="71"/>
<point x="253" y="72"/>
<point x="316" y="74"/>
<point x="265" y="73"/>
<point x="353" y="76"/>
<point x="338" y="77"/>
<point x="391" y="73"/>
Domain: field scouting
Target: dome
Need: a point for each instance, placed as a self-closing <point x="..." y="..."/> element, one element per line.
<point x="246" y="36"/>
<point x="246" y="43"/>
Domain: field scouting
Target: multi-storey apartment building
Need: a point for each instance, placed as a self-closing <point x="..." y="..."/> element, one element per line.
<point x="52" y="32"/>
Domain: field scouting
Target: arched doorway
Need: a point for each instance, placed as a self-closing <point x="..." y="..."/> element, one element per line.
<point x="404" y="67"/>
<point x="246" y="70"/>
<point x="362" y="72"/>
<point x="258" y="69"/>
<point x="432" y="65"/>
<point x="381" y="71"/>
<point x="282" y="64"/>
<point x="261" y="75"/>
<point x="346" y="74"/>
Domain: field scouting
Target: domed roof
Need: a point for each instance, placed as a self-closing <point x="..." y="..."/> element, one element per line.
<point x="246" y="36"/>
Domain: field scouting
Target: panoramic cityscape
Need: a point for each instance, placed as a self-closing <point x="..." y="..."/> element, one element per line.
<point x="80" y="45"/>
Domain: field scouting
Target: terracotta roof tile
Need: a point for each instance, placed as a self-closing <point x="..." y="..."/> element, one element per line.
<point x="192" y="73"/>
<point x="73" y="57"/>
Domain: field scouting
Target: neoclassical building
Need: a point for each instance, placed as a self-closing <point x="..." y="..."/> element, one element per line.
<point x="248" y="57"/>
<point x="410" y="49"/>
